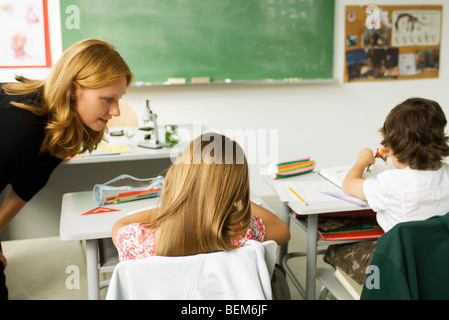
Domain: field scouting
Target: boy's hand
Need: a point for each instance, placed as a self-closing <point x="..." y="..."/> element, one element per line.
<point x="366" y="157"/>
<point x="353" y="182"/>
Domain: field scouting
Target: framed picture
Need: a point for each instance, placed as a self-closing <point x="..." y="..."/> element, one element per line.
<point x="25" y="34"/>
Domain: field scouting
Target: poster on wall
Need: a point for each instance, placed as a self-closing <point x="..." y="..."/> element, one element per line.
<point x="24" y="34"/>
<point x="392" y="42"/>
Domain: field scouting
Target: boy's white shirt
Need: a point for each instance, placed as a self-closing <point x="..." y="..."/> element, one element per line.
<point x="401" y="195"/>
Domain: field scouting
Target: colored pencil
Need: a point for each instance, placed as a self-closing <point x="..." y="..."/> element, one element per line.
<point x="298" y="196"/>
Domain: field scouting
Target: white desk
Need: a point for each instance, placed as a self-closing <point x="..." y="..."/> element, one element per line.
<point x="131" y="138"/>
<point x="75" y="226"/>
<point x="313" y="209"/>
<point x="92" y="228"/>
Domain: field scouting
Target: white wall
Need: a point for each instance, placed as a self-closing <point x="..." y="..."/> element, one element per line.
<point x="329" y="122"/>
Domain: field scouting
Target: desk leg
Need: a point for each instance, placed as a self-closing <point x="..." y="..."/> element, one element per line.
<point x="312" y="228"/>
<point x="92" y="263"/>
<point x="286" y="218"/>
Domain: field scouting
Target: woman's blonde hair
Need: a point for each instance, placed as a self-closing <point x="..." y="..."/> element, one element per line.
<point x="91" y="63"/>
<point x="205" y="202"/>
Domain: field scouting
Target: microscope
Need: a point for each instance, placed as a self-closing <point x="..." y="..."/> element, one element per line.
<point x="151" y="140"/>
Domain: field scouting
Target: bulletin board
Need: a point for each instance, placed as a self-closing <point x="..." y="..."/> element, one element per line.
<point x="223" y="40"/>
<point x="405" y="46"/>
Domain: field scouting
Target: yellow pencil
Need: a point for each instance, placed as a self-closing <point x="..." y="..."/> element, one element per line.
<point x="298" y="196"/>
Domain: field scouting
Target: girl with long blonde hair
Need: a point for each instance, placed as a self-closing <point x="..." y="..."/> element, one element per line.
<point x="204" y="207"/>
<point x="42" y="122"/>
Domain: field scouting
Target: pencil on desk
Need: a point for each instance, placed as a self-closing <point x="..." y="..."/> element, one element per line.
<point x="298" y="196"/>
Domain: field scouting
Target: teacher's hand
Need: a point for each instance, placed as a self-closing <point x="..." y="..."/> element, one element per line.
<point x="3" y="260"/>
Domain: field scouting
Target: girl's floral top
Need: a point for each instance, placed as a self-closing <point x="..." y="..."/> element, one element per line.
<point x="136" y="241"/>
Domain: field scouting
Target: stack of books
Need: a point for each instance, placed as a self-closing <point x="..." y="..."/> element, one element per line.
<point x="292" y="168"/>
<point x="353" y="288"/>
<point x="345" y="226"/>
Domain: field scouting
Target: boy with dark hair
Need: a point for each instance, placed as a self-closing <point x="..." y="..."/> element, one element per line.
<point x="414" y="138"/>
<point x="415" y="131"/>
<point x="417" y="189"/>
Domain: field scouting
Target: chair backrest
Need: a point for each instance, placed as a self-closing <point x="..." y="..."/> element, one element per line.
<point x="411" y="262"/>
<point x="243" y="273"/>
<point x="127" y="118"/>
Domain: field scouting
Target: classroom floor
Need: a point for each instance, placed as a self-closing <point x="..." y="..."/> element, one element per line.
<point x="46" y="268"/>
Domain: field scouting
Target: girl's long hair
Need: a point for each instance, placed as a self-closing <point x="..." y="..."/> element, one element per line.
<point x="91" y="63"/>
<point x="205" y="202"/>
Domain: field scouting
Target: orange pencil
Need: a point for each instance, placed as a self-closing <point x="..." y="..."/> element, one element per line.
<point x="298" y="196"/>
<point x="383" y="156"/>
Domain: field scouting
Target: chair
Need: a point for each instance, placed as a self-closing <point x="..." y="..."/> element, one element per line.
<point x="127" y="118"/>
<point x="411" y="262"/>
<point x="243" y="273"/>
<point x="108" y="259"/>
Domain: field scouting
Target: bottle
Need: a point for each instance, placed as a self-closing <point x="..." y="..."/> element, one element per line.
<point x="171" y="135"/>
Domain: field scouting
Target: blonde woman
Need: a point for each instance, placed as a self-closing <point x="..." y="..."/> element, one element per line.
<point x="42" y="122"/>
<point x="204" y="207"/>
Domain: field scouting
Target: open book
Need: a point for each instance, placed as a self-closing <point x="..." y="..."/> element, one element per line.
<point x="336" y="175"/>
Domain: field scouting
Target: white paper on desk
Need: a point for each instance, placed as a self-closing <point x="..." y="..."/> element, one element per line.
<point x="142" y="209"/>
<point x="310" y="191"/>
<point x="337" y="174"/>
<point x="346" y="197"/>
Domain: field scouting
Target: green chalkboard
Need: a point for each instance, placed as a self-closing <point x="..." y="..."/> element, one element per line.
<point x="245" y="40"/>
